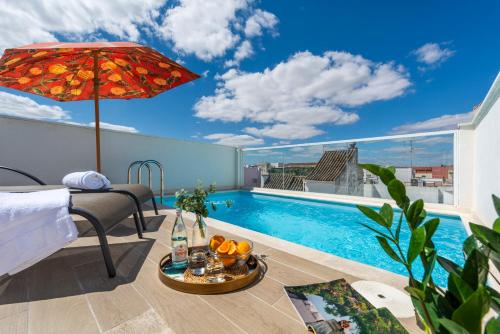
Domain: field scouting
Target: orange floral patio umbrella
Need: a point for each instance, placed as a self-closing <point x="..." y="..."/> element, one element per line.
<point x="91" y="71"/>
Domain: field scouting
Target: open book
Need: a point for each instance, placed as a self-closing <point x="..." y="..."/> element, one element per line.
<point x="335" y="307"/>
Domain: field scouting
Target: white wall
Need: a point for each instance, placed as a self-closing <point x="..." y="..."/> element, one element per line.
<point x="486" y="174"/>
<point x="428" y="194"/>
<point x="464" y="169"/>
<point x="51" y="150"/>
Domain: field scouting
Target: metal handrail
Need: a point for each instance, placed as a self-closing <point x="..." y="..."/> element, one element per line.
<point x="147" y="164"/>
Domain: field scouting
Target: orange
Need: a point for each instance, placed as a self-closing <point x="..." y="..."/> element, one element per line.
<point x="224" y="247"/>
<point x="216" y="241"/>
<point x="243" y="248"/>
<point x="232" y="248"/>
<point x="228" y="261"/>
<point x="164" y="65"/>
<point x="75" y="82"/>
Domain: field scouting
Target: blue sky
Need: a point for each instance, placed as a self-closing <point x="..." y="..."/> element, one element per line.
<point x="279" y="72"/>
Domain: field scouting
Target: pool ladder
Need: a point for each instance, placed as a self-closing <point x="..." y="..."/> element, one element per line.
<point x="148" y="164"/>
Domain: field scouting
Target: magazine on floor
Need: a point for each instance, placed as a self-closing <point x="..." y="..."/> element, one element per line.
<point x="335" y="307"/>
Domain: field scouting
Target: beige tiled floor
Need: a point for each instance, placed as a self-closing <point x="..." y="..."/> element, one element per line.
<point x="70" y="292"/>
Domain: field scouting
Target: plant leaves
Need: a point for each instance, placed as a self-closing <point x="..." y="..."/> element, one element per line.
<point x="413" y="212"/>
<point x="374" y="169"/>
<point x="373" y="215"/>
<point x="459" y="288"/>
<point x="475" y="270"/>
<point x="469" y="245"/>
<point x="388" y="249"/>
<point x="398" y="228"/>
<point x="417" y="243"/>
<point x="495" y="298"/>
<point x="417" y="293"/>
<point x="386" y="175"/>
<point x="431" y="308"/>
<point x="428" y="269"/>
<point x="453" y="327"/>
<point x="493" y="326"/>
<point x="387" y="213"/>
<point x="496" y="203"/>
<point x="376" y="231"/>
<point x="469" y="315"/>
<point x="398" y="192"/>
<point x="430" y="227"/>
<point x="496" y="225"/>
<point x="486" y="236"/>
<point x="449" y="266"/>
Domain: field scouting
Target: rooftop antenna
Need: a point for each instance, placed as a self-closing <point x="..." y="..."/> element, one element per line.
<point x="411" y="157"/>
<point x="283" y="176"/>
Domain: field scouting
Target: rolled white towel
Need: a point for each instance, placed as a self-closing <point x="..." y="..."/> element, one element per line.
<point x="86" y="180"/>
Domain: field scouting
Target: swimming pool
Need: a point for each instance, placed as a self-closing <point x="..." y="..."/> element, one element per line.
<point x="330" y="227"/>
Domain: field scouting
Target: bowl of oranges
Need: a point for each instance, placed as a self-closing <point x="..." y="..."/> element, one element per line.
<point x="231" y="251"/>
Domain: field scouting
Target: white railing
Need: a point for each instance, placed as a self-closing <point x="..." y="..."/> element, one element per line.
<point x="270" y="164"/>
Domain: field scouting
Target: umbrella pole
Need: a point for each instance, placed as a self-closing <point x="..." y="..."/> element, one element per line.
<point x="96" y="112"/>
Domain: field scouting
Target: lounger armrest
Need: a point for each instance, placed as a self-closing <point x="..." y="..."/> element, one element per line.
<point x="34" y="178"/>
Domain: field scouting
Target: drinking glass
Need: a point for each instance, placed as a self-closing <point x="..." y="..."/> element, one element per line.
<point x="214" y="269"/>
<point x="197" y="262"/>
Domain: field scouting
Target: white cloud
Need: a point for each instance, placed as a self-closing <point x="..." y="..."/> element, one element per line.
<point x="20" y="106"/>
<point x="231" y="139"/>
<point x="208" y="29"/>
<point x="259" y="21"/>
<point x="432" y="54"/>
<point x="402" y="149"/>
<point x="445" y="122"/>
<point x="293" y="98"/>
<point x="116" y="127"/>
<point x="25" y="22"/>
<point x="285" y="131"/>
<point x="243" y="51"/>
<point x="204" y="28"/>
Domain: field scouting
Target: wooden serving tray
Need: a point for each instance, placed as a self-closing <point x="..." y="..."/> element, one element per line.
<point x="237" y="279"/>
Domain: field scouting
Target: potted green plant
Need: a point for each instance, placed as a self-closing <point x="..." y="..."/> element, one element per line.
<point x="461" y="307"/>
<point x="196" y="202"/>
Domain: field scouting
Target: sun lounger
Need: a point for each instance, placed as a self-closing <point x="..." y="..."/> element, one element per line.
<point x="104" y="210"/>
<point x="138" y="192"/>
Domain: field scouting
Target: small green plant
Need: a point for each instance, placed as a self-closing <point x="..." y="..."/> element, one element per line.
<point x="461" y="307"/>
<point x="196" y="202"/>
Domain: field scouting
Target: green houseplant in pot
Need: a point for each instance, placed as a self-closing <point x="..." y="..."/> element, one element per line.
<point x="462" y="306"/>
<point x="196" y="202"/>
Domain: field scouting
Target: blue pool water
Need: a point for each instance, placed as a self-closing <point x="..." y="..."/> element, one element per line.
<point x="330" y="227"/>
